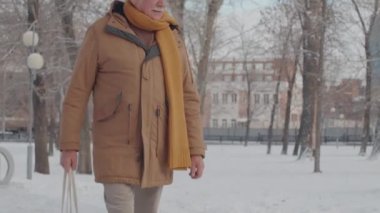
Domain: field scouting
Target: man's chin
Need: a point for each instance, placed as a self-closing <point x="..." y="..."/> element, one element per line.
<point x="156" y="16"/>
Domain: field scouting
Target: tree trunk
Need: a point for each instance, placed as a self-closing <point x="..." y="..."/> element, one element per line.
<point x="285" y="134"/>
<point x="52" y="137"/>
<point x="246" y="135"/>
<point x="273" y="112"/>
<point x="84" y="162"/>
<point x="376" y="140"/>
<point x="313" y="31"/>
<point x="367" y="30"/>
<point x="208" y="29"/>
<point x="306" y="117"/>
<point x="65" y="10"/>
<point x="316" y="45"/>
<point x="317" y="123"/>
<point x="40" y="123"/>
<point x="367" y="110"/>
<point x="249" y="106"/>
<point x="40" y="126"/>
<point x="53" y="130"/>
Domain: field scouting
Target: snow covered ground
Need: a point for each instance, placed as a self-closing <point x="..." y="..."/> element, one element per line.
<point x="237" y="180"/>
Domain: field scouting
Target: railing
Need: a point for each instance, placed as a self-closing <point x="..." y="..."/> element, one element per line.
<point x="233" y="135"/>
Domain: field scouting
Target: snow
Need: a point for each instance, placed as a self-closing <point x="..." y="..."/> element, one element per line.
<point x="237" y="180"/>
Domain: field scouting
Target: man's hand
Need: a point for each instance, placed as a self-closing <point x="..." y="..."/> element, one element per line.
<point x="197" y="166"/>
<point x="69" y="160"/>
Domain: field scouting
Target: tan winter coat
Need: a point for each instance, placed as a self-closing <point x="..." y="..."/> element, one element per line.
<point x="126" y="81"/>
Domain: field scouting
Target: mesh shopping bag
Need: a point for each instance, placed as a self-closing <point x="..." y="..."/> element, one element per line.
<point x="69" y="196"/>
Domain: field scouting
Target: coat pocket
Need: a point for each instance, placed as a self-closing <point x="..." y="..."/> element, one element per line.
<point x="159" y="129"/>
<point x="109" y="109"/>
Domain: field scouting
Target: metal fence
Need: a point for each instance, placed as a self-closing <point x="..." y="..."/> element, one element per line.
<point x="223" y="135"/>
<point x="348" y="135"/>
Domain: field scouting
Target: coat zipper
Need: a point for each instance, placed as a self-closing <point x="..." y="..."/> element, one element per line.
<point x="158" y="128"/>
<point x="129" y="122"/>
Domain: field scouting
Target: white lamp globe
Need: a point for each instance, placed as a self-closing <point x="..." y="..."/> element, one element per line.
<point x="30" y="38"/>
<point x="35" y="61"/>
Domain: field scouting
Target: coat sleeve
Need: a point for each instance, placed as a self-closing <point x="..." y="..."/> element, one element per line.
<point x="192" y="107"/>
<point x="77" y="95"/>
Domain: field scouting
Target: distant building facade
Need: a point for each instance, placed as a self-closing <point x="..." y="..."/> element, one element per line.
<point x="226" y="100"/>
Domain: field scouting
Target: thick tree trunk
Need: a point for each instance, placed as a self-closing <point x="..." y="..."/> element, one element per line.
<point x="52" y="135"/>
<point x="40" y="124"/>
<point x="367" y="30"/>
<point x="313" y="31"/>
<point x="367" y="110"/>
<point x="376" y="141"/>
<point x="306" y="117"/>
<point x="314" y="62"/>
<point x="84" y="162"/>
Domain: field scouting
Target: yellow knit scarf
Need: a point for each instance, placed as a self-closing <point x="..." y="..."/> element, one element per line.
<point x="179" y="153"/>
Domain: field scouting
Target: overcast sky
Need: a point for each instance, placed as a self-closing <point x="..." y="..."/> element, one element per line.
<point x="245" y="5"/>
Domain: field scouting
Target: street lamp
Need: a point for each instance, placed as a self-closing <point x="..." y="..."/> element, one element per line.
<point x="35" y="61"/>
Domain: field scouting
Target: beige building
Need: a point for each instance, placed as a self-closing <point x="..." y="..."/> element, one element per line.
<point x="226" y="100"/>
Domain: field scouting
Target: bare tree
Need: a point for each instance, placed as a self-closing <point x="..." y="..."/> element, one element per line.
<point x="281" y="21"/>
<point x="367" y="30"/>
<point x="375" y="64"/>
<point x="313" y="26"/>
<point x="273" y="113"/>
<point x="208" y="30"/>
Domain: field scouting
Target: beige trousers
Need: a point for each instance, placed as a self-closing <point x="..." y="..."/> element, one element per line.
<point x="124" y="198"/>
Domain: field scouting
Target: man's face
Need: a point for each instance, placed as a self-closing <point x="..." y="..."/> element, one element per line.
<point x="151" y="8"/>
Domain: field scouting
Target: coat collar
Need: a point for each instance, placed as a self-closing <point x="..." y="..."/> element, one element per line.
<point x="117" y="18"/>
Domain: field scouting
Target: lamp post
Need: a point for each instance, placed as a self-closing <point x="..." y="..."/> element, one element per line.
<point x="35" y="61"/>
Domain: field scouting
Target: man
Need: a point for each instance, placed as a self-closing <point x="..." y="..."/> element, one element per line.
<point x="146" y="119"/>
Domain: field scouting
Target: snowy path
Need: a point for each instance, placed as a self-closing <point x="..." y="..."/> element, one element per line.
<point x="237" y="180"/>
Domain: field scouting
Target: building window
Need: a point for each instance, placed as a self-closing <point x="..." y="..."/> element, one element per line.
<point x="215" y="98"/>
<point x="268" y="78"/>
<point x="224" y="123"/>
<point x="227" y="78"/>
<point x="228" y="66"/>
<point x="259" y="66"/>
<point x="233" y="123"/>
<point x="239" y="66"/>
<point x="257" y="98"/>
<point x="274" y="97"/>
<point x="215" y="123"/>
<point x="266" y="98"/>
<point x="234" y="98"/>
<point x="225" y="98"/>
<point x="268" y="66"/>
